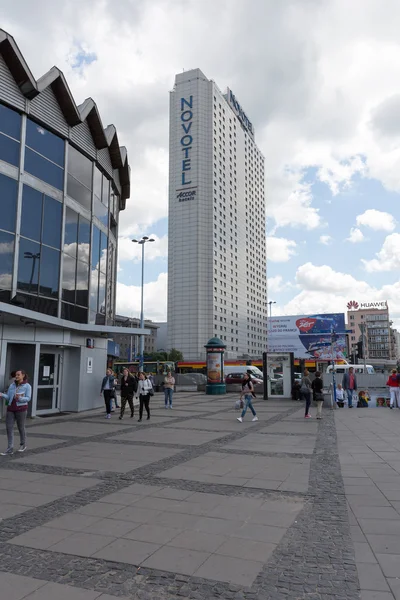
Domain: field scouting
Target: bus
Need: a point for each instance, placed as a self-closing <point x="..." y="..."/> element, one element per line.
<point x="156" y="367"/>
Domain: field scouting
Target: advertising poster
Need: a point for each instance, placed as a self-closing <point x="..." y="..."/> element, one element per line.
<point x="214" y="368"/>
<point x="308" y="336"/>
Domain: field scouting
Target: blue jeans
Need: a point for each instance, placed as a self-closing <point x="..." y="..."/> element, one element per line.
<point x="350" y="397"/>
<point x="248" y="404"/>
<point x="168" y="396"/>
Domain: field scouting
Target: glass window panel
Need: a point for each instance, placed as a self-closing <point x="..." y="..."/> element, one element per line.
<point x="68" y="280"/>
<point x="80" y="167"/>
<point x="31" y="219"/>
<point x="103" y="252"/>
<point x="92" y="317"/>
<point x="84" y="240"/>
<point x="102" y="293"/>
<point x="97" y="182"/>
<point x="49" y="272"/>
<point x="79" y="192"/>
<point x="6" y="259"/>
<point x="52" y="217"/>
<point x="8" y="203"/>
<point x="106" y="191"/>
<point x="10" y="122"/>
<point x="43" y="169"/>
<point x="38" y="304"/>
<point x="73" y="313"/>
<point x="94" y="289"/>
<point x="82" y="284"/>
<point x="49" y="145"/>
<point x="9" y="150"/>
<point x="71" y="232"/>
<point x="96" y="248"/>
<point x="28" y="266"/>
<point x="100" y="211"/>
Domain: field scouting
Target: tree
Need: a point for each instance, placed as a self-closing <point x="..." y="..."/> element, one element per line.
<point x="175" y="355"/>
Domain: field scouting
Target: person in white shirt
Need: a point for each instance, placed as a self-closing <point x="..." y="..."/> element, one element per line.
<point x="144" y="391"/>
<point x="340" y="395"/>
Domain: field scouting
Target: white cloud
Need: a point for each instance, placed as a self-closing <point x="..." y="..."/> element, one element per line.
<point x="154" y="299"/>
<point x="323" y="278"/>
<point x="276" y="284"/>
<point x="280" y="249"/>
<point x="356" y="236"/>
<point x="325" y="239"/>
<point x="388" y="257"/>
<point x="377" y="219"/>
<point x="128" y="250"/>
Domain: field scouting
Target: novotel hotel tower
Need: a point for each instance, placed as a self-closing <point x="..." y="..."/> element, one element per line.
<point x="217" y="248"/>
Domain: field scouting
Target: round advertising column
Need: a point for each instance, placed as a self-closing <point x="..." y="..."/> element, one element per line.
<point x="215" y="349"/>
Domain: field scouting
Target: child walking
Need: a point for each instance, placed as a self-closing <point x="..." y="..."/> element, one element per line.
<point x="247" y="392"/>
<point x="340" y="395"/>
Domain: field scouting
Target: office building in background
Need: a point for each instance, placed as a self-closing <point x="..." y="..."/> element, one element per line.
<point x="216" y="244"/>
<point x="63" y="181"/>
<point x="371" y="326"/>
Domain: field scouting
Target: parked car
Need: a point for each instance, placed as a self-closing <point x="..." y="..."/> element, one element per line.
<point x="238" y="378"/>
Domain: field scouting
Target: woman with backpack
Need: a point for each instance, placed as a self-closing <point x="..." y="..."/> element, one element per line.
<point x="247" y="393"/>
<point x="305" y="391"/>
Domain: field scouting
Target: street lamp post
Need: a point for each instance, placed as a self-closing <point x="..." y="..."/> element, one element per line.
<point x="34" y="258"/>
<point x="141" y="347"/>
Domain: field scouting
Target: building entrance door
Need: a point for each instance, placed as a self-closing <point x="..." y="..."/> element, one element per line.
<point x="48" y="388"/>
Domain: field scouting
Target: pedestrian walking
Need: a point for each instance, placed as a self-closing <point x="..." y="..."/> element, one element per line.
<point x="115" y="396"/>
<point x="107" y="389"/>
<point x="317" y="387"/>
<point x="144" y="391"/>
<point x="393" y="384"/>
<point x="305" y="391"/>
<point x="17" y="397"/>
<point x="128" y="390"/>
<point x="340" y="395"/>
<point x="349" y="383"/>
<point x="247" y="393"/>
<point x="169" y="383"/>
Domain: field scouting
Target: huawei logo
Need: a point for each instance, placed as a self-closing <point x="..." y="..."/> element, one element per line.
<point x="352" y="305"/>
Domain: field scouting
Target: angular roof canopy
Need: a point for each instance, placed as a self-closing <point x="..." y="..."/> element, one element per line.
<point x="74" y="115"/>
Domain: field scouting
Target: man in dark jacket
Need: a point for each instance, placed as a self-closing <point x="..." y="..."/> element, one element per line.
<point x="128" y="390"/>
<point x="349" y="384"/>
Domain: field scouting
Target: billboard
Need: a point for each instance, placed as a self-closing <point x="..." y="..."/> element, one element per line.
<point x="308" y="336"/>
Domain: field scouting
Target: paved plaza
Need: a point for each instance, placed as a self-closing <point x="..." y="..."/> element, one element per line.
<point x="193" y="504"/>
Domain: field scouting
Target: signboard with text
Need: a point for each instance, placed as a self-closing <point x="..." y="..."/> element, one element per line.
<point x="308" y="336"/>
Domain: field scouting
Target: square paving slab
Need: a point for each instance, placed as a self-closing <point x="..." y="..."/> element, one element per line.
<point x="96" y="456"/>
<point x="250" y="471"/>
<point x="171" y="436"/>
<point x="262" y="443"/>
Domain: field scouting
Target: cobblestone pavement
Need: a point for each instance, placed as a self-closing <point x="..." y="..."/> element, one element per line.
<point x="193" y="504"/>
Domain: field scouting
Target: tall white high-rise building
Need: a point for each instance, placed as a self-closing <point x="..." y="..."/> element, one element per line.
<point x="217" y="248"/>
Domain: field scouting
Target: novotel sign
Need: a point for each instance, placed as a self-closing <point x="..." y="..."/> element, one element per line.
<point x="186" y="139"/>
<point x="230" y="96"/>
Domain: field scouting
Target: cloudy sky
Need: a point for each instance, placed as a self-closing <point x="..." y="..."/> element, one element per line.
<point x="320" y="80"/>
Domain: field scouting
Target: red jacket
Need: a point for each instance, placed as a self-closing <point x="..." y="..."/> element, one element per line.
<point x="392" y="381"/>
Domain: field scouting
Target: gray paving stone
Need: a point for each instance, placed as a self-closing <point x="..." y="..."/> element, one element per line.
<point x="127" y="551"/>
<point x="364" y="553"/>
<point x="16" y="587"/>
<point x="380" y="526"/>
<point x="41" y="537"/>
<point x="72" y="522"/>
<point x="50" y="591"/>
<point x="154" y="533"/>
<point x="198" y="540"/>
<point x="390" y="564"/>
<point x="371" y="578"/>
<point x="246" y="549"/>
<point x="177" y="560"/>
<point x="82" y="544"/>
<point x="234" y="570"/>
<point x="260" y="533"/>
<point x="368" y="595"/>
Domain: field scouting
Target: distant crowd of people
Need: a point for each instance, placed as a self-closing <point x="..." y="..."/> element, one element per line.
<point x="133" y="385"/>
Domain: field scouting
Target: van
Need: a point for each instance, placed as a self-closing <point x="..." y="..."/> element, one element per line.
<point x="254" y="371"/>
<point x="357" y="369"/>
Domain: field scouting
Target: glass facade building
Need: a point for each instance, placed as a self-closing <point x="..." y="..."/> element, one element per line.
<point x="58" y="247"/>
<point x="63" y="181"/>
